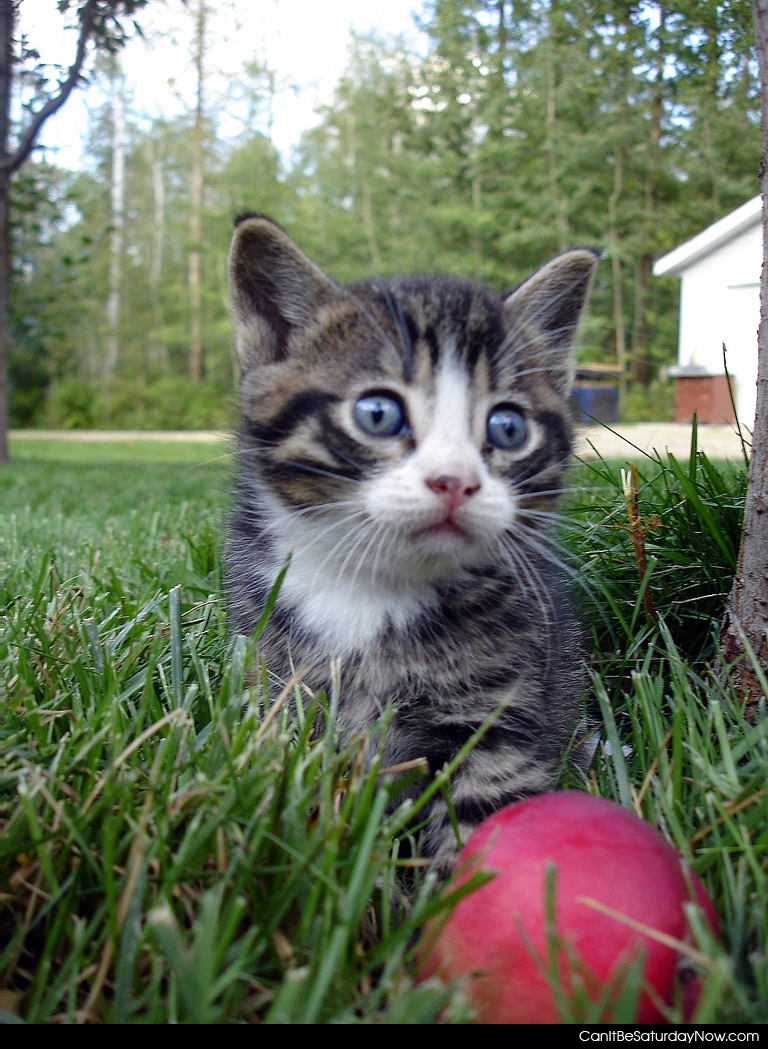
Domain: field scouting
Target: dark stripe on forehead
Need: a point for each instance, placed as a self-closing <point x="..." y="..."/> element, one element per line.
<point x="484" y="333"/>
<point x="406" y="334"/>
<point x="432" y="313"/>
<point x="430" y="338"/>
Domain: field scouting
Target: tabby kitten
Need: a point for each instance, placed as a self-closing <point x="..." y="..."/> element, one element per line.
<point x="405" y="441"/>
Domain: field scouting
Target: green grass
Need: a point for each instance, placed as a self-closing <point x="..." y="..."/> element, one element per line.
<point x="173" y="849"/>
<point x="78" y="449"/>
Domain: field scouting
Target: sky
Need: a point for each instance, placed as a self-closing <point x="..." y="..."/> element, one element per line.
<point x="305" y="42"/>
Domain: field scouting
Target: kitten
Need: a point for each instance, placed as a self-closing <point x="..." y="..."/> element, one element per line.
<point x="405" y="442"/>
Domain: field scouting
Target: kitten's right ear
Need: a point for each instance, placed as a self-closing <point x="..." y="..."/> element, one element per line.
<point x="542" y="316"/>
<point x="273" y="287"/>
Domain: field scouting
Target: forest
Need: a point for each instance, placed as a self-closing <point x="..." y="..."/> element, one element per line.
<point x="525" y="127"/>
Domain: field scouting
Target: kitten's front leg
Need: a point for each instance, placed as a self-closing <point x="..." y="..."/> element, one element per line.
<point x="491" y="776"/>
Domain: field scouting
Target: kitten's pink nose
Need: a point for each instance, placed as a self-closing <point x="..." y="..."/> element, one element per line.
<point x="454" y="489"/>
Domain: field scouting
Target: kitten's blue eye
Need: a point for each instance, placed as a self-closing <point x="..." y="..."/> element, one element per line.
<point x="507" y="428"/>
<point x="379" y="415"/>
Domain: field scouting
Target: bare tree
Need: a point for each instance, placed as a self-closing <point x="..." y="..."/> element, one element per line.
<point x="101" y="24"/>
<point x="746" y="619"/>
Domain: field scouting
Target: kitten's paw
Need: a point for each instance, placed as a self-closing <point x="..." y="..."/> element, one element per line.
<point x="443" y="864"/>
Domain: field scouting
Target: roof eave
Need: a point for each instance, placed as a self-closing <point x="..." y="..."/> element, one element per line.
<point x="710" y="239"/>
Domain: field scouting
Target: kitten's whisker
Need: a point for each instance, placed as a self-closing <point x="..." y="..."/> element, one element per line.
<point x="278" y="524"/>
<point x="330" y="555"/>
<point x="391" y="543"/>
<point x="523" y="567"/>
<point x="552" y="520"/>
<point x="303" y="467"/>
<point x="376" y="534"/>
<point x="279" y="527"/>
<point x="360" y="527"/>
<point x="350" y="554"/>
<point x="577" y="570"/>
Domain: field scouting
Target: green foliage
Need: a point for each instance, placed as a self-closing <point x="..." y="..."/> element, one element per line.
<point x="171" y="402"/>
<point x="238" y="858"/>
<point x="38" y="327"/>
<point x="656" y="401"/>
<point x="523" y="130"/>
<point x="73" y="405"/>
<point x="688" y="529"/>
<point x="684" y="756"/>
<point x="528" y="128"/>
<point x="683" y="748"/>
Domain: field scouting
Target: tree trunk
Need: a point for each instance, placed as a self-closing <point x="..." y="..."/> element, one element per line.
<point x="7" y="26"/>
<point x="117" y="219"/>
<point x="5" y="287"/>
<point x="158" y="234"/>
<point x="158" y="351"/>
<point x="746" y="618"/>
<point x="559" y="203"/>
<point x="640" y="367"/>
<point x="196" y="207"/>
<point x="616" y="274"/>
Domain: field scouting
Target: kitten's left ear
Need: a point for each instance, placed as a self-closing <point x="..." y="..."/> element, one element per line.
<point x="549" y="305"/>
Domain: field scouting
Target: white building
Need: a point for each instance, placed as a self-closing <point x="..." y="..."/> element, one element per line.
<point x="719" y="303"/>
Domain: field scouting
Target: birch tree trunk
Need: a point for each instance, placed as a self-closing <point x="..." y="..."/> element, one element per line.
<point x="158" y="233"/>
<point x="196" y="205"/>
<point x="746" y="618"/>
<point x="158" y="350"/>
<point x="117" y="221"/>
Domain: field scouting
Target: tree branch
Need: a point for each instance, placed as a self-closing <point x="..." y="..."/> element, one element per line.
<point x="13" y="161"/>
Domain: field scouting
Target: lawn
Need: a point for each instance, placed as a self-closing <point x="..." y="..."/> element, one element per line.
<point x="175" y="849"/>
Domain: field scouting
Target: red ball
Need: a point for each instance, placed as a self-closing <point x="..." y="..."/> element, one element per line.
<point x="601" y="852"/>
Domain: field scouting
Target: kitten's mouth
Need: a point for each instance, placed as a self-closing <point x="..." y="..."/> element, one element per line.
<point x="445" y="527"/>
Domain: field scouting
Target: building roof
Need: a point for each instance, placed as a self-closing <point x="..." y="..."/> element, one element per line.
<point x="719" y="233"/>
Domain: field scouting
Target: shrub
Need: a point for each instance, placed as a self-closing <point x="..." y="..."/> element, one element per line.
<point x="73" y="405"/>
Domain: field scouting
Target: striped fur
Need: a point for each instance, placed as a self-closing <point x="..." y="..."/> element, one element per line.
<point x="420" y="556"/>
